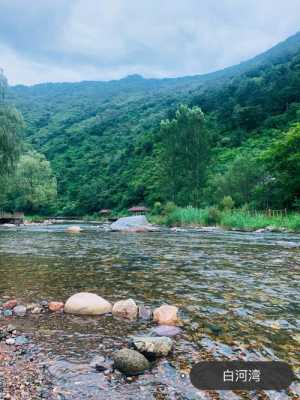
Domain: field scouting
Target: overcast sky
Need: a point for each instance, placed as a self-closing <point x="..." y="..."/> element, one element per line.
<point x="73" y="40"/>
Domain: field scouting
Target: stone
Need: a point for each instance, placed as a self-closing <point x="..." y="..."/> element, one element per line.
<point x="36" y="310"/>
<point x="10" y="341"/>
<point x="138" y="223"/>
<point x="44" y="303"/>
<point x="7" y="313"/>
<point x="130" y="362"/>
<point x="10" y="304"/>
<point x="87" y="304"/>
<point x="166" y="315"/>
<point x="145" y="313"/>
<point x="74" y="229"/>
<point x="21" y="340"/>
<point x="10" y="328"/>
<point x="125" y="309"/>
<point x="101" y="364"/>
<point x="166" y="330"/>
<point x="153" y="346"/>
<point x="19" y="311"/>
<point x="55" y="306"/>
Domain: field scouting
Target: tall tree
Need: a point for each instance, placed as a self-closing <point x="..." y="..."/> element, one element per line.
<point x="185" y="154"/>
<point x="10" y="124"/>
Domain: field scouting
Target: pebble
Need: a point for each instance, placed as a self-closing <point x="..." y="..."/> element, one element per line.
<point x="166" y="330"/>
<point x="10" y="341"/>
<point x="7" y="313"/>
<point x="21" y="340"/>
<point x="10" y="304"/>
<point x="145" y="313"/>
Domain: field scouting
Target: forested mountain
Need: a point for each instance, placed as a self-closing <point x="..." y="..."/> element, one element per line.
<point x="107" y="147"/>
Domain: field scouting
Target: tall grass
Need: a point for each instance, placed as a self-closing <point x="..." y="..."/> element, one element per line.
<point x="237" y="219"/>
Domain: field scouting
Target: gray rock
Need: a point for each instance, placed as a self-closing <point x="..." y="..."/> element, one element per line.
<point x="166" y="330"/>
<point x="153" y="346"/>
<point x="130" y="362"/>
<point x="21" y="340"/>
<point x="20" y="311"/>
<point x="132" y="224"/>
<point x="10" y="341"/>
<point x="145" y="313"/>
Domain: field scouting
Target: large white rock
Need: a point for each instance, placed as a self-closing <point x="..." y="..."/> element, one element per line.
<point x="87" y="304"/>
<point x="138" y="223"/>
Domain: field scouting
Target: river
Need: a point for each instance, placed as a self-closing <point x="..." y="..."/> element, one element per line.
<point x="238" y="295"/>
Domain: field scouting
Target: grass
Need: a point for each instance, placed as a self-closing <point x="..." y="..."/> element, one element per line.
<point x="235" y="219"/>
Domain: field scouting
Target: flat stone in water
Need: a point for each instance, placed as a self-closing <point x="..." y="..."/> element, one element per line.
<point x="166" y="330"/>
<point x="21" y="340"/>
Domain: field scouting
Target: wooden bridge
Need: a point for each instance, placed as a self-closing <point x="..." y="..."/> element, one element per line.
<point x="11" y="217"/>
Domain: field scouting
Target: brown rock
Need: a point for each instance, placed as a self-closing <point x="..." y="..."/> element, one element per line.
<point x="125" y="309"/>
<point x="10" y="304"/>
<point x="55" y="306"/>
<point x="166" y="315"/>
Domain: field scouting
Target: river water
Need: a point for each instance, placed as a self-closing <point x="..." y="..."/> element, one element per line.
<point x="238" y="295"/>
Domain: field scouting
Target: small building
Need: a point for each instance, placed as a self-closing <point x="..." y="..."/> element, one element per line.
<point x="16" y="218"/>
<point x="105" y="211"/>
<point x="138" y="210"/>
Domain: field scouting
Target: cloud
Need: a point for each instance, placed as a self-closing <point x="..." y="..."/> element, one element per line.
<point x="71" y="40"/>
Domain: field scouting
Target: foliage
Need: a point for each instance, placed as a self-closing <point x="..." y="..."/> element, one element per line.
<point x="32" y="188"/>
<point x="107" y="148"/>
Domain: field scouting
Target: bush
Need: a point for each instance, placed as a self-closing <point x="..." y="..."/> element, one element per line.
<point x="169" y="207"/>
<point x="157" y="208"/>
<point x="213" y="216"/>
<point x="227" y="203"/>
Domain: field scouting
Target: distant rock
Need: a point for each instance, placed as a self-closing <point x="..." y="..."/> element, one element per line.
<point x="153" y="346"/>
<point x="145" y="312"/>
<point x="125" y="309"/>
<point x="138" y="223"/>
<point x="166" y="315"/>
<point x="55" y="306"/>
<point x="130" y="362"/>
<point x="166" y="330"/>
<point x="87" y="304"/>
<point x="19" y="311"/>
<point x="74" y="229"/>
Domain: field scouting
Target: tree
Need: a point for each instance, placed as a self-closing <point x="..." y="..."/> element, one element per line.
<point x="10" y="125"/>
<point x="283" y="161"/>
<point x="185" y="155"/>
<point x="33" y="187"/>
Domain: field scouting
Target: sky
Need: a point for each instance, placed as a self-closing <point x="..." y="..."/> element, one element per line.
<point x="75" y="40"/>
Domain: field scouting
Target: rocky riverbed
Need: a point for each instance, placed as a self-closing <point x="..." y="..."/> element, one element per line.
<point x="237" y="296"/>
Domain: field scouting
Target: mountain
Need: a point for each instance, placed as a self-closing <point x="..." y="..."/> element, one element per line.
<point x="102" y="138"/>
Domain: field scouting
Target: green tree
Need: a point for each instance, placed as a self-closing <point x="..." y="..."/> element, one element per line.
<point x="33" y="187"/>
<point x="185" y="154"/>
<point x="10" y="125"/>
<point x="283" y="161"/>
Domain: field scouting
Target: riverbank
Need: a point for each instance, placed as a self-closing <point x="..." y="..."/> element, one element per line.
<point x="231" y="220"/>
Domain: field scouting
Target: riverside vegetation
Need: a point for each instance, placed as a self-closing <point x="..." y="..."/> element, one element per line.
<point x="193" y="141"/>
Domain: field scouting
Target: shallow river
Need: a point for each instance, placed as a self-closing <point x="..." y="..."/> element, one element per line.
<point x="238" y="294"/>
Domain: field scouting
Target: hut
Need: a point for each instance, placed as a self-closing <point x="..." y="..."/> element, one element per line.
<point x="16" y="218"/>
<point x="105" y="211"/>
<point x="138" y="210"/>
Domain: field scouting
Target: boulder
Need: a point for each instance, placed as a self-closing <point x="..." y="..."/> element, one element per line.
<point x="145" y="313"/>
<point x="87" y="304"/>
<point x="74" y="229"/>
<point x="19" y="311"/>
<point x="166" y="330"/>
<point x="138" y="223"/>
<point x="130" y="362"/>
<point x="153" y="346"/>
<point x="10" y="304"/>
<point x="125" y="309"/>
<point x="55" y="306"/>
<point x="166" y="315"/>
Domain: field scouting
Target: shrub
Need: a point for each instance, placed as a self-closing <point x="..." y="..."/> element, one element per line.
<point x="227" y="203"/>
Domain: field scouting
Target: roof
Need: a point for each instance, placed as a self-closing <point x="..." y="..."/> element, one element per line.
<point x="105" y="211"/>
<point x="138" y="209"/>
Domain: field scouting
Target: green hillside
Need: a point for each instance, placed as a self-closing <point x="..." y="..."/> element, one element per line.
<point x="106" y="147"/>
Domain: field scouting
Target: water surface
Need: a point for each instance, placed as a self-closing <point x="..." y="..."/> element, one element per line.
<point x="238" y="294"/>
